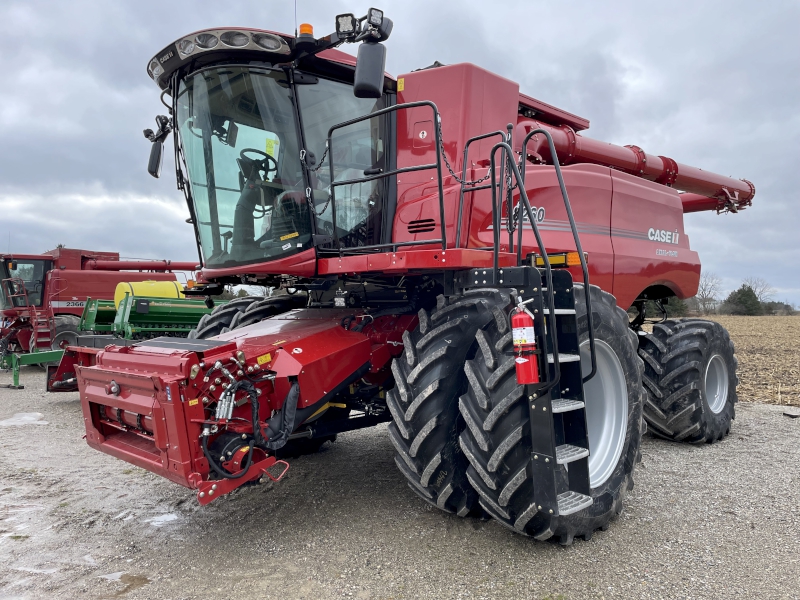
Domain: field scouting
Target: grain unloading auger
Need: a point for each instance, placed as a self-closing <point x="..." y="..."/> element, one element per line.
<point x="432" y="247"/>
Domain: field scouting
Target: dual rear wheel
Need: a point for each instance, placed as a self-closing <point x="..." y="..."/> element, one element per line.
<point x="461" y="425"/>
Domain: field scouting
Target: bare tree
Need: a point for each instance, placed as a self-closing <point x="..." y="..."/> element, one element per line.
<point x="708" y="292"/>
<point x="761" y="287"/>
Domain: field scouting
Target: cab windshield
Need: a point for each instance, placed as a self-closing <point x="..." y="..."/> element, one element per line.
<point x="30" y="273"/>
<point x="241" y="143"/>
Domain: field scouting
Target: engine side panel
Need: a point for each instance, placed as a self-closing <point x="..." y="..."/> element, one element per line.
<point x="650" y="244"/>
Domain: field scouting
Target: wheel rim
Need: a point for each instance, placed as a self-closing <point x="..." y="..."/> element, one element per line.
<point x="606" y="397"/>
<point x="716" y="384"/>
<point x="64" y="339"/>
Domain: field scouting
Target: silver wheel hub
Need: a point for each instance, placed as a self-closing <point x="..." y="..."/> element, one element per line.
<point x="606" y="397"/>
<point x="715" y="384"/>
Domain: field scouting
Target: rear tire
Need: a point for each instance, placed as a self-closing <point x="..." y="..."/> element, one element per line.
<point x="690" y="379"/>
<point x="497" y="440"/>
<point x="429" y="377"/>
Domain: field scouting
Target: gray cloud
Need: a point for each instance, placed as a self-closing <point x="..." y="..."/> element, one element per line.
<point x="713" y="84"/>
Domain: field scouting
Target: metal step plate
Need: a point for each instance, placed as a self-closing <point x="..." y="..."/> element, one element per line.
<point x="568" y="453"/>
<point x="562" y="405"/>
<point x="572" y="502"/>
<point x="564" y="358"/>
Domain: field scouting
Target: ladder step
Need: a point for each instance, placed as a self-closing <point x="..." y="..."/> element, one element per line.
<point x="568" y="453"/>
<point x="560" y="311"/>
<point x="562" y="405"/>
<point x="564" y="358"/>
<point x="572" y="502"/>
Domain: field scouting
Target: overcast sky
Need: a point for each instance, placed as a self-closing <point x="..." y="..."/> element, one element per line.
<point x="713" y="83"/>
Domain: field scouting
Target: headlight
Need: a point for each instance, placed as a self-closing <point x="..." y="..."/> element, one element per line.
<point x="155" y="68"/>
<point x="186" y="47"/>
<point x="206" y="40"/>
<point x="237" y="39"/>
<point x="267" y="42"/>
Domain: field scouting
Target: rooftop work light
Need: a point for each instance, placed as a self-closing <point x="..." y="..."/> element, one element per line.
<point x="375" y="17"/>
<point x="346" y="26"/>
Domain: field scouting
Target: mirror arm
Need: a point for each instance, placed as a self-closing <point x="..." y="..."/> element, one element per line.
<point x="164" y="129"/>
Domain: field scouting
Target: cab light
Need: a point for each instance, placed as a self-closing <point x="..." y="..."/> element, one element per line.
<point x="236" y="39"/>
<point x="267" y="42"/>
<point x="206" y="40"/>
<point x="186" y="47"/>
<point x="306" y="29"/>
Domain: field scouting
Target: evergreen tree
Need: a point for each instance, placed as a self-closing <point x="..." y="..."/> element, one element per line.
<point x="743" y="302"/>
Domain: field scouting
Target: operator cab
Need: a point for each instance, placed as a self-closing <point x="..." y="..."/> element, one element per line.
<point x="251" y="122"/>
<point x="21" y="278"/>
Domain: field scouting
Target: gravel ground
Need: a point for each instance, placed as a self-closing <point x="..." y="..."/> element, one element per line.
<point x="716" y="521"/>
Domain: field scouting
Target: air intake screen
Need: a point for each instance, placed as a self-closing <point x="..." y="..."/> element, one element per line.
<point x="421" y="226"/>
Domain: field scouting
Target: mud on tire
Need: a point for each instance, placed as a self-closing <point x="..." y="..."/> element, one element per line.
<point x="497" y="440"/>
<point x="429" y="377"/>
<point x="690" y="380"/>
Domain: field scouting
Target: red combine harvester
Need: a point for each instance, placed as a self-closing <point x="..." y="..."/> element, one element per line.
<point x="437" y="233"/>
<point x="43" y="295"/>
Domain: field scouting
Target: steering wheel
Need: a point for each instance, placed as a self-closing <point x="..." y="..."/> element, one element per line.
<point x="267" y="164"/>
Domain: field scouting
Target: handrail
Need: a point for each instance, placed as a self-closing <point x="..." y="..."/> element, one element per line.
<point x="24" y="294"/>
<point x="473" y="184"/>
<point x="437" y="165"/>
<point x="508" y="156"/>
<point x="574" y="229"/>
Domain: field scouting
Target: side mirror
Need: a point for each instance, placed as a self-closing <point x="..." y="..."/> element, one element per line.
<point x="156" y="159"/>
<point x="370" y="67"/>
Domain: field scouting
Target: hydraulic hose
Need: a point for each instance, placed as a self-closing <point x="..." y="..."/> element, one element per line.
<point x="218" y="469"/>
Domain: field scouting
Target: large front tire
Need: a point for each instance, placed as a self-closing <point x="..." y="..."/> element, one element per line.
<point x="497" y="440"/>
<point x="429" y="377"/>
<point x="690" y="378"/>
<point x="220" y="318"/>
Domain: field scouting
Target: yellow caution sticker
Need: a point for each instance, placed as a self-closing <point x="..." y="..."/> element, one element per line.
<point x="273" y="147"/>
<point x="193" y="402"/>
<point x="401" y="84"/>
<point x="264" y="358"/>
<point x="289" y="236"/>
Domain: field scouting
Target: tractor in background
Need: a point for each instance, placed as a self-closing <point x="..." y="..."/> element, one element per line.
<point x="458" y="260"/>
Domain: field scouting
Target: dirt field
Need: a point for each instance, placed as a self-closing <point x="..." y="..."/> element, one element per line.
<point x="768" y="349"/>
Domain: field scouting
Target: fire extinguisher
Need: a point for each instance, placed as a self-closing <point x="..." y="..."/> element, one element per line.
<point x="524" y="337"/>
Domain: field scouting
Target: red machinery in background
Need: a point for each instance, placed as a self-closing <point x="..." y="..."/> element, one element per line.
<point x="43" y="295"/>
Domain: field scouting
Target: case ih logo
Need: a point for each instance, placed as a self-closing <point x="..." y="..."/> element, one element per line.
<point x="166" y="57"/>
<point x="662" y="235"/>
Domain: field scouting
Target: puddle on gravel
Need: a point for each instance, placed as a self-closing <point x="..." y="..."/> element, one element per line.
<point x="24" y="419"/>
<point x="131" y="582"/>
<point x="161" y="519"/>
